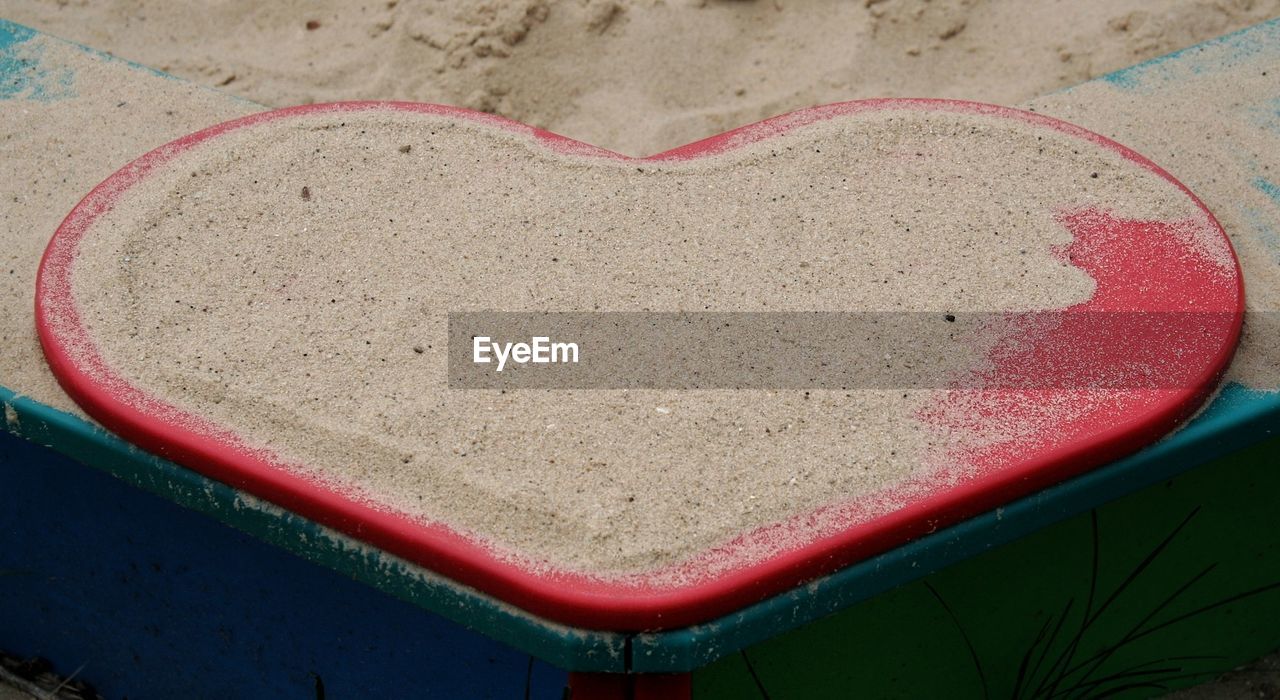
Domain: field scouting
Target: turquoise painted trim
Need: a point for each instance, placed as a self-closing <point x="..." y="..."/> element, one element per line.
<point x="1236" y="419"/>
<point x="92" y="445"/>
<point x="1220" y="54"/>
<point x="23" y="74"/>
<point x="1268" y="188"/>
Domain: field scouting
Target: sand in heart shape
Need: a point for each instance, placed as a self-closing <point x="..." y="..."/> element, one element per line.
<point x="265" y="302"/>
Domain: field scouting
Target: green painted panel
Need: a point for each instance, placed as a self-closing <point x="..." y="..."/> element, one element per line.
<point x="1187" y="585"/>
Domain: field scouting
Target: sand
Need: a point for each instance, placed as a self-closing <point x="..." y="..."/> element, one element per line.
<point x="54" y="151"/>
<point x="684" y="66"/>
<point x="644" y="78"/>
<point x="1227" y="156"/>
<point x="313" y="324"/>
<point x="639" y="76"/>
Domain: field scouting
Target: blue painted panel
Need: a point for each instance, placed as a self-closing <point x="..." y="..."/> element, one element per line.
<point x="158" y="601"/>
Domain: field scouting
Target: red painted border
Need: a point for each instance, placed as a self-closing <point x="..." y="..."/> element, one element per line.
<point x="625" y="604"/>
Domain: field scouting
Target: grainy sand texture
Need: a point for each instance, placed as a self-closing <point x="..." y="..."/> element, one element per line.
<point x="634" y="76"/>
<point x="638" y="76"/>
<point x="54" y="151"/>
<point x="1223" y="154"/>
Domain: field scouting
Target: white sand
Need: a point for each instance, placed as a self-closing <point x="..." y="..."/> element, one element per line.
<point x="1221" y="153"/>
<point x="639" y="76"/>
<point x="53" y="152"/>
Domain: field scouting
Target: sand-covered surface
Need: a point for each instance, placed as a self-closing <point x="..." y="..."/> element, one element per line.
<point x="192" y="288"/>
<point x="641" y="76"/>
<point x="638" y="76"/>
<point x="54" y="151"/>
<point x="634" y="76"/>
<point x="1227" y="155"/>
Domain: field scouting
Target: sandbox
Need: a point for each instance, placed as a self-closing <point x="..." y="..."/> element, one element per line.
<point x="1236" y="419"/>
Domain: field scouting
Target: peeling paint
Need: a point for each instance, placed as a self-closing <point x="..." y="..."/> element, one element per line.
<point x="1213" y="56"/>
<point x="24" y="75"/>
<point x="11" y="422"/>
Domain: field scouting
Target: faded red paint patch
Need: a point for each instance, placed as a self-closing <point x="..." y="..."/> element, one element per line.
<point x="1154" y="330"/>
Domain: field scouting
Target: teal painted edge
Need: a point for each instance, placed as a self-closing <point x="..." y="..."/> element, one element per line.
<point x="1224" y="52"/>
<point x="21" y="72"/>
<point x="1236" y="419"/>
<point x="92" y="445"/>
<point x="14" y="35"/>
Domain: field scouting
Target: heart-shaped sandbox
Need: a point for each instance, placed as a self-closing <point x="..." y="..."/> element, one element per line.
<point x="268" y="303"/>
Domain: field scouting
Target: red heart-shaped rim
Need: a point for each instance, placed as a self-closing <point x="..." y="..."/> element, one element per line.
<point x="637" y="603"/>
